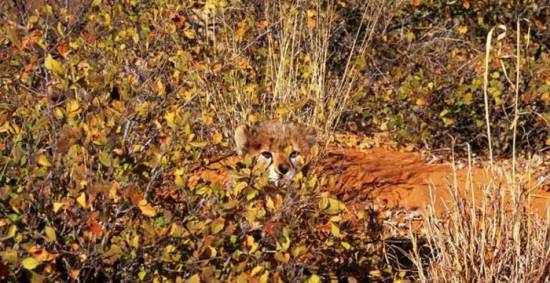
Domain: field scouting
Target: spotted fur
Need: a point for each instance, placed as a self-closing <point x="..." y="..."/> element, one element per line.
<point x="281" y="148"/>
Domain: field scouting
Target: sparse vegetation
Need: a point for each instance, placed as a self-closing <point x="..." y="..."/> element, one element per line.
<point x="108" y="109"/>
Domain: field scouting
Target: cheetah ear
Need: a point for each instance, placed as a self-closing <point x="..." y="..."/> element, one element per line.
<point x="242" y="134"/>
<point x="310" y="136"/>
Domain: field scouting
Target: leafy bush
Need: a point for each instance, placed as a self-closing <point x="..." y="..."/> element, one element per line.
<point x="426" y="75"/>
<point x="106" y="105"/>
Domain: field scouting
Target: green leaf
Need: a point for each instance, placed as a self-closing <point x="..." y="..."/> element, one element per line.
<point x="104" y="158"/>
<point x="142" y="273"/>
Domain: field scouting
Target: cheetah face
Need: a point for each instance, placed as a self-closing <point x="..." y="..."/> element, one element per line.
<point x="282" y="149"/>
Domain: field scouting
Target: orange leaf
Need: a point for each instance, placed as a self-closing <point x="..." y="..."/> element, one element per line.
<point x="63" y="48"/>
<point x="263" y="24"/>
<point x="179" y="21"/>
<point x="241" y="29"/>
<point x="311" y="19"/>
<point x="90" y="38"/>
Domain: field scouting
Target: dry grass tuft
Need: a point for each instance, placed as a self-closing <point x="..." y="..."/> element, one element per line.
<point x="492" y="239"/>
<point x="295" y="83"/>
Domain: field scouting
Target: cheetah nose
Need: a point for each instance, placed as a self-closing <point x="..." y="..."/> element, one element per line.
<point x="283" y="168"/>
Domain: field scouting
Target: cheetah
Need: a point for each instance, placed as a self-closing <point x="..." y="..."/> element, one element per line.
<point x="283" y="149"/>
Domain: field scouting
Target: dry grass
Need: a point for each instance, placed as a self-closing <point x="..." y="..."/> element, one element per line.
<point x="297" y="86"/>
<point x="496" y="238"/>
<point x="492" y="239"/>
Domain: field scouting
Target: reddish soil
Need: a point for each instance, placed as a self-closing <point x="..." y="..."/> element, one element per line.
<point x="394" y="179"/>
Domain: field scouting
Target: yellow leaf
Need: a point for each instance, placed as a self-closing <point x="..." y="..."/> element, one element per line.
<point x="50" y="233"/>
<point x="323" y="203"/>
<point x="421" y="102"/>
<point x="269" y="203"/>
<point x="49" y="10"/>
<point x="213" y="252"/>
<point x="239" y="187"/>
<point x="217" y="138"/>
<point x="160" y="88"/>
<point x="9" y="256"/>
<point x="11" y="34"/>
<point x="462" y="29"/>
<point x="72" y="107"/>
<point x="11" y="232"/>
<point x="43" y="161"/>
<point x="265" y="277"/>
<point x="217" y="225"/>
<point x="194" y="279"/>
<point x="5" y="127"/>
<point x="410" y="36"/>
<point x="312" y="182"/>
<point x="375" y="273"/>
<point x="57" y="206"/>
<point x="189" y="33"/>
<point x="179" y="181"/>
<point x="335" y="206"/>
<point x="113" y="192"/>
<point x="256" y="270"/>
<point x="53" y="65"/>
<point x="346" y="245"/>
<point x="104" y="158"/>
<point x="177" y="231"/>
<point x="251" y="243"/>
<point x="313" y="279"/>
<point x="146" y="208"/>
<point x="82" y="200"/>
<point x="252" y="118"/>
<point x="335" y="230"/>
<point x="30" y="263"/>
<point x="134" y="242"/>
<point x="57" y="113"/>
<point x="171" y="119"/>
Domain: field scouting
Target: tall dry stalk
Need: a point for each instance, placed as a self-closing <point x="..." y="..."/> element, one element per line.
<point x="485" y="240"/>
<point x="297" y="65"/>
<point x="493" y="238"/>
<point x="295" y="82"/>
<point x="488" y="47"/>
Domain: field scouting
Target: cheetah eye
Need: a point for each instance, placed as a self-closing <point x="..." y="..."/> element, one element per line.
<point x="294" y="154"/>
<point x="266" y="154"/>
